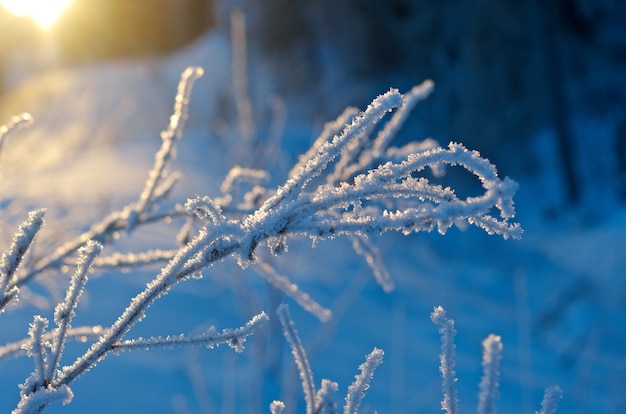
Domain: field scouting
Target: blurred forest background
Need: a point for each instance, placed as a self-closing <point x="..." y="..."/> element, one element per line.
<point x="538" y="87"/>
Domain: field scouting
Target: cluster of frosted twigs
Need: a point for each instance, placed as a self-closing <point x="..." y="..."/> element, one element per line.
<point x="350" y="183"/>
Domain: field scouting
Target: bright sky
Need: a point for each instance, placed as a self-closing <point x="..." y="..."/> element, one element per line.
<point x="43" y="12"/>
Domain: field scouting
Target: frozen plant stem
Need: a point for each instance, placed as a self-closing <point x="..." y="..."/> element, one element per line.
<point x="19" y="348"/>
<point x="283" y="284"/>
<point x="170" y="137"/>
<point x="551" y="398"/>
<point x="361" y="384"/>
<point x="490" y="382"/>
<point x="450" y="402"/>
<point x="11" y="259"/>
<point x="299" y="355"/>
<point x="492" y="354"/>
<point x="329" y="150"/>
<point x="233" y="337"/>
<point x="39" y="390"/>
<point x="321" y="402"/>
<point x="65" y="311"/>
<point x="324" y="398"/>
<point x="36" y="350"/>
<point x="410" y="99"/>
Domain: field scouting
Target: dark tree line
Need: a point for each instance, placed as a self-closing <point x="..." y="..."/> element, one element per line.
<point x="503" y="69"/>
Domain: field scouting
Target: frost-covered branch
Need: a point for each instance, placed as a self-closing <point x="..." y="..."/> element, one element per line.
<point x="102" y="232"/>
<point x="324" y="403"/>
<point x="299" y="356"/>
<point x="232" y="185"/>
<point x="361" y="384"/>
<point x="328" y="151"/>
<point x="369" y="156"/>
<point x="34" y="403"/>
<point x="235" y="338"/>
<point x="39" y="390"/>
<point x="37" y="350"/>
<point x="164" y="156"/>
<point x="409" y="100"/>
<point x="389" y="197"/>
<point x="13" y="257"/>
<point x="129" y="260"/>
<point x="492" y="354"/>
<point x="364" y="247"/>
<point x="551" y="398"/>
<point x="65" y="311"/>
<point x="157" y="187"/>
<point x="324" y="400"/>
<point x="168" y="277"/>
<point x="290" y="289"/>
<point x="450" y="402"/>
<point x="20" y="348"/>
<point x="331" y="129"/>
<point x="53" y="382"/>
<point x="490" y="382"/>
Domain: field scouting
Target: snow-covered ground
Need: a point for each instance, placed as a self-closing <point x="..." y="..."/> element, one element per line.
<point x="557" y="297"/>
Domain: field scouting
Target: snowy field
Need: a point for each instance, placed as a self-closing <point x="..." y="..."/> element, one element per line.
<point x="557" y="296"/>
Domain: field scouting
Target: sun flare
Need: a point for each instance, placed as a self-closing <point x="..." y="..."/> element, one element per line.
<point x="43" y="12"/>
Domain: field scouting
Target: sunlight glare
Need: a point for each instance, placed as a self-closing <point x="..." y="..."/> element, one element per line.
<point x="43" y="12"/>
